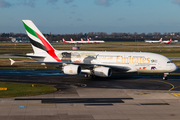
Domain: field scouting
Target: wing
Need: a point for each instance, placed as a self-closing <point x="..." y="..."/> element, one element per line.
<point x="83" y="65"/>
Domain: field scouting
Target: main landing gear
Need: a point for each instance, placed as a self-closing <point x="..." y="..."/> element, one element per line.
<point x="165" y="76"/>
<point x="89" y="76"/>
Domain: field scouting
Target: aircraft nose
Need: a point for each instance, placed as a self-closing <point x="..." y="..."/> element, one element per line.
<point x="174" y="67"/>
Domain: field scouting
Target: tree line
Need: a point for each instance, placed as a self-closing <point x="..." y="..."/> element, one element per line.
<point x="97" y="35"/>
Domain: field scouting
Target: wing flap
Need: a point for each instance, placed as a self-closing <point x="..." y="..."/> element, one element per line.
<point x="83" y="65"/>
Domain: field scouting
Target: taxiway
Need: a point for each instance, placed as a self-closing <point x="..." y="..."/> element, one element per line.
<point x="122" y="97"/>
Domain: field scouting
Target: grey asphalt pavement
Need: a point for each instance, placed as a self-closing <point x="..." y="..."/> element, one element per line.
<point x="122" y="97"/>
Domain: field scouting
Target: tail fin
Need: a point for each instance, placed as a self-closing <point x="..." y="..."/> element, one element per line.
<point x="88" y="39"/>
<point x="160" y="40"/>
<point x="71" y="40"/>
<point x="64" y="40"/>
<point x="82" y="39"/>
<point x="39" y="43"/>
<point x="170" y="40"/>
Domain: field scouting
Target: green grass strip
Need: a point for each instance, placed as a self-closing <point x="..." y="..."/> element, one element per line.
<point x="24" y="89"/>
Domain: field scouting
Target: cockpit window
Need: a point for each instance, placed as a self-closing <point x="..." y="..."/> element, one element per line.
<point x="169" y="62"/>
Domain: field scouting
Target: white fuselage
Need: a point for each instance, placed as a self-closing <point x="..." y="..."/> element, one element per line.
<point x="100" y="41"/>
<point x="166" y="42"/>
<point x="141" y="62"/>
<point x="94" y="63"/>
<point x="152" y="41"/>
<point x="95" y="41"/>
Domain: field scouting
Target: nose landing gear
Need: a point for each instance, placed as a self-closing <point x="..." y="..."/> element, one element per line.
<point x="165" y="76"/>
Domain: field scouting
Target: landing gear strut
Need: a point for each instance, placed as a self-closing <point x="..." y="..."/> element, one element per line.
<point x="165" y="76"/>
<point x="89" y="76"/>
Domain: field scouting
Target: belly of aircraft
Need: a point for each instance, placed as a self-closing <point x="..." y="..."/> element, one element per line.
<point x="151" y="71"/>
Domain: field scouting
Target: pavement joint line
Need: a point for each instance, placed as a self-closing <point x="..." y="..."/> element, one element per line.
<point x="3" y="106"/>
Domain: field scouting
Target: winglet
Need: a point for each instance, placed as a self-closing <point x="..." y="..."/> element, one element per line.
<point x="12" y="61"/>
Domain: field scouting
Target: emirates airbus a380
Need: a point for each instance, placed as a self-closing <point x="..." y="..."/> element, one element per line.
<point x="93" y="63"/>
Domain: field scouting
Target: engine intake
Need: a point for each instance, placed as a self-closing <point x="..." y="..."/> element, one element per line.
<point x="102" y="72"/>
<point x="72" y="69"/>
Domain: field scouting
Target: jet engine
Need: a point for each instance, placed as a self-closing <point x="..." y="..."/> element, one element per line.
<point x="72" y="69"/>
<point x="102" y="72"/>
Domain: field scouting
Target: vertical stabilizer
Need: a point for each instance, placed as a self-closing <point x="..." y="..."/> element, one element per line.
<point x="64" y="41"/>
<point x="40" y="44"/>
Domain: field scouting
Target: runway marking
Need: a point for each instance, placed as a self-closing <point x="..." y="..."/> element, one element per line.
<point x="169" y="91"/>
<point x="177" y="95"/>
<point x="152" y="92"/>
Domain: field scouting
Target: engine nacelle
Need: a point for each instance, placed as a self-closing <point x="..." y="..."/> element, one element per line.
<point x="102" y="72"/>
<point x="72" y="69"/>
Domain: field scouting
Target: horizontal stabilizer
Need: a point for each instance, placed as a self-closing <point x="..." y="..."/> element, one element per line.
<point x="19" y="56"/>
<point x="12" y="61"/>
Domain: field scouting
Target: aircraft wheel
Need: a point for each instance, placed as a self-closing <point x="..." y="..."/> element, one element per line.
<point x="164" y="78"/>
<point x="86" y="75"/>
<point x="89" y="76"/>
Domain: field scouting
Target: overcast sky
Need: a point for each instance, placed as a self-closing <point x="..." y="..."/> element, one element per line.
<point x="75" y="16"/>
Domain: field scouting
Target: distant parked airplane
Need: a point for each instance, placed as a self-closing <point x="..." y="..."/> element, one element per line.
<point x="153" y="41"/>
<point x="97" y="41"/>
<point x="167" y="42"/>
<point x="69" y="42"/>
<point x="81" y="42"/>
<point x="75" y="42"/>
